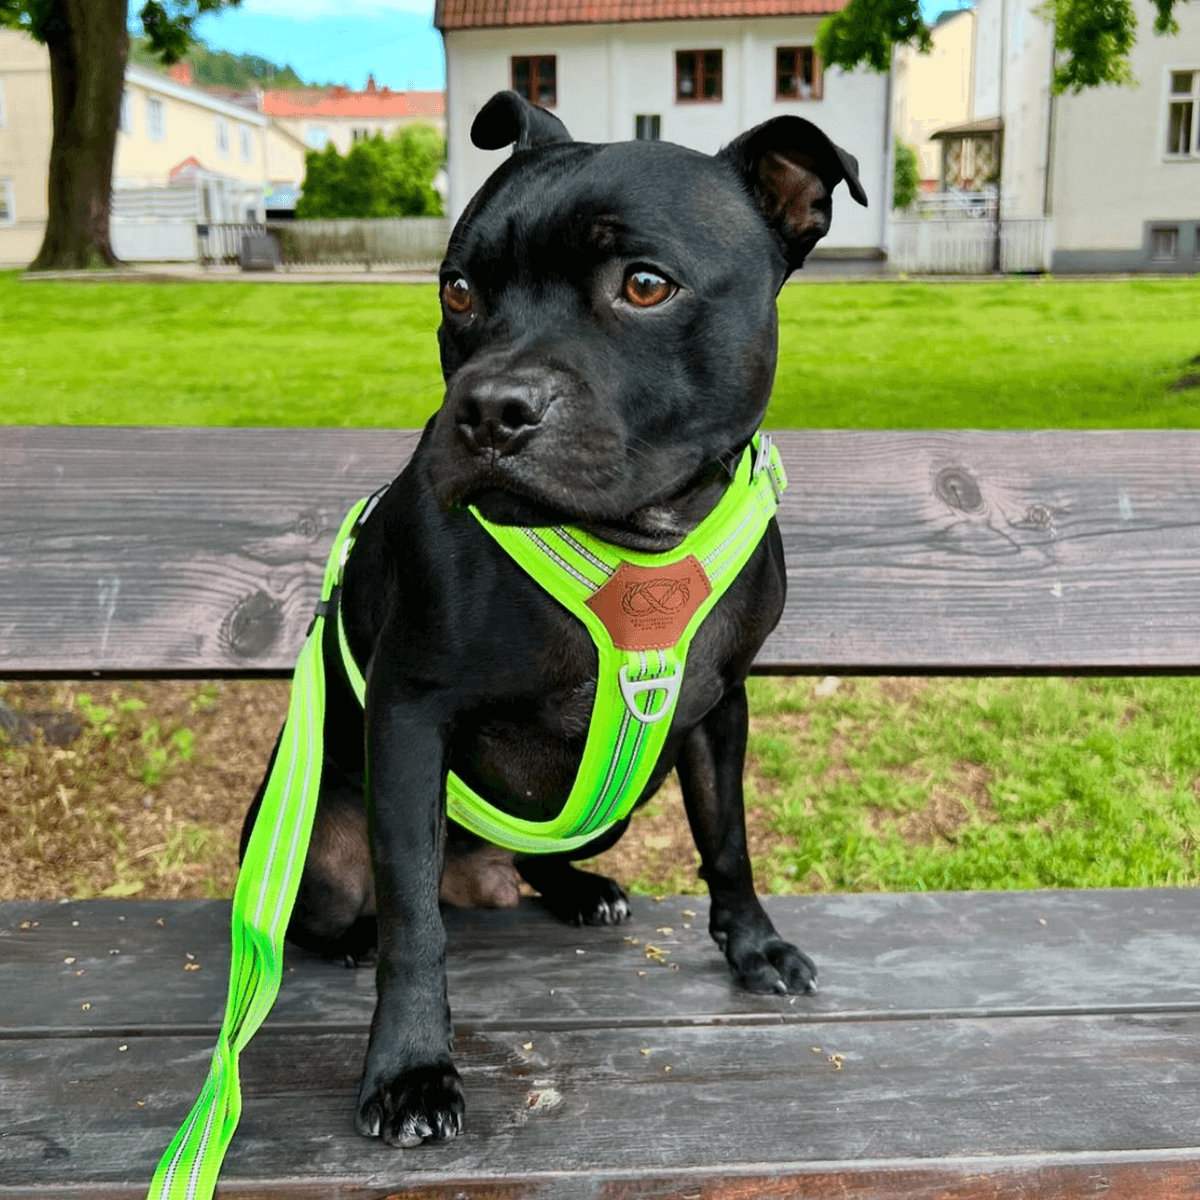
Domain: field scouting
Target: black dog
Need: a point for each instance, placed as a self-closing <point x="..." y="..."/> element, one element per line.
<point x="608" y="341"/>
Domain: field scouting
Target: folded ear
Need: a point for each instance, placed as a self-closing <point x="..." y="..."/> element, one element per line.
<point x="507" y="118"/>
<point x="791" y="169"/>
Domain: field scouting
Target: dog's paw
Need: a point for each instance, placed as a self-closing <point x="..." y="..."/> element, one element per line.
<point x="583" y="898"/>
<point x="422" y="1105"/>
<point x="776" y="966"/>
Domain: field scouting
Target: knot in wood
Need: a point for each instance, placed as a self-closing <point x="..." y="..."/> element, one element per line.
<point x="309" y="524"/>
<point x="1038" y="514"/>
<point x="957" y="487"/>
<point x="253" y="625"/>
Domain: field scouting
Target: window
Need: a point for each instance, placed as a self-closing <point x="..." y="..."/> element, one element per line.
<point x="246" y="141"/>
<point x="126" y="121"/>
<point x="798" y="73"/>
<point x="222" y="131"/>
<point x="698" y="75"/>
<point x="647" y="128"/>
<point x="535" y="78"/>
<point x="360" y="133"/>
<point x="155" y="122"/>
<point x="1164" y="243"/>
<point x="8" y="208"/>
<point x="1183" y="136"/>
<point x="317" y="136"/>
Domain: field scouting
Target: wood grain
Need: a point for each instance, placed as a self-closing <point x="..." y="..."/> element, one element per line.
<point x="972" y="1052"/>
<point x="199" y="551"/>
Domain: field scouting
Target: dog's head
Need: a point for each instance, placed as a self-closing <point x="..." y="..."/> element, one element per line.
<point x="608" y="330"/>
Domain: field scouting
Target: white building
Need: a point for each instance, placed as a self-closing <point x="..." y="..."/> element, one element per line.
<point x="613" y="70"/>
<point x="1116" y="168"/>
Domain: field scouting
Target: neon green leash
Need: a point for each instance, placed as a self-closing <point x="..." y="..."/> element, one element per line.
<point x="642" y="611"/>
<point x="262" y="906"/>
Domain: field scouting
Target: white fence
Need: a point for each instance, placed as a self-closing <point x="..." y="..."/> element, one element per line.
<point x="392" y="241"/>
<point x="967" y="245"/>
<point x="154" y="224"/>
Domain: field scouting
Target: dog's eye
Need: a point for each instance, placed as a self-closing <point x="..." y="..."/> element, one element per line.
<point x="645" y="288"/>
<point x="457" y="296"/>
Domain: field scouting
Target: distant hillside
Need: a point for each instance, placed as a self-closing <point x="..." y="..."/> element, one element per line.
<point x="219" y="68"/>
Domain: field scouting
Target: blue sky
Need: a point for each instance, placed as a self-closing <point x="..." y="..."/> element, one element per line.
<point x="337" y="41"/>
<point x="341" y="41"/>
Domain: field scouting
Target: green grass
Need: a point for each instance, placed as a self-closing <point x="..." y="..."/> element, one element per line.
<point x="1016" y="354"/>
<point x="977" y="783"/>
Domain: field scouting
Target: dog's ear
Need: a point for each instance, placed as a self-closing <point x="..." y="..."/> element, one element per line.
<point x="791" y="169"/>
<point x="507" y="118"/>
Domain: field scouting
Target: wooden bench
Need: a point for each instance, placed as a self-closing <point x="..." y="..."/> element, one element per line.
<point x="996" y="1045"/>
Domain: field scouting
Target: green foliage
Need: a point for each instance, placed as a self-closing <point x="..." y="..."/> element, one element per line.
<point x="167" y="24"/>
<point x="220" y="68"/>
<point x="377" y="178"/>
<point x="1094" y="35"/>
<point x="906" y="178"/>
<point x="865" y="31"/>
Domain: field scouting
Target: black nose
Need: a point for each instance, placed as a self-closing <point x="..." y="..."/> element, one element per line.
<point x="501" y="414"/>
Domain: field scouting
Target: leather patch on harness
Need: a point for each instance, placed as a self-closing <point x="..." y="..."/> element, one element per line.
<point x="648" y="608"/>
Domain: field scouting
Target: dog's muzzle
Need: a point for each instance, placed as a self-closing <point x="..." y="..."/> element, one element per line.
<point x="498" y="415"/>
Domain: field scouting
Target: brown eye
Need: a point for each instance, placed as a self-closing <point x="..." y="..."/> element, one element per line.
<point x="456" y="295"/>
<point x="645" y="288"/>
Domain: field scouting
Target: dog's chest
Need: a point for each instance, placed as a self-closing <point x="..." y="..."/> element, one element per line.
<point x="523" y="751"/>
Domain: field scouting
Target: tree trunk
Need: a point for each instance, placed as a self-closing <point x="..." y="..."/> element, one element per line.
<point x="88" y="45"/>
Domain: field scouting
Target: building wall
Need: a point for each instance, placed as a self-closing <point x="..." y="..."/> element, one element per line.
<point x="1112" y="178"/>
<point x="936" y="90"/>
<point x="608" y="74"/>
<point x="1012" y="80"/>
<point x="25" y="131"/>
<point x="191" y="121"/>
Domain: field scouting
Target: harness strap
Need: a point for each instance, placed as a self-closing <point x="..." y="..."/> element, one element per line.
<point x="262" y="905"/>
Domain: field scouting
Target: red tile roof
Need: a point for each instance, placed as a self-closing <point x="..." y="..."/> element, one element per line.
<point x="480" y="14"/>
<point x="342" y="102"/>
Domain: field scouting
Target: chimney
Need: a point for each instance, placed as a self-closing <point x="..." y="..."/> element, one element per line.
<point x="181" y="72"/>
<point x="370" y="85"/>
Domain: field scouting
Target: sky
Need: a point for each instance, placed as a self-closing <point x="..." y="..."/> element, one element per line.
<point x="337" y="41"/>
<point x="342" y="41"/>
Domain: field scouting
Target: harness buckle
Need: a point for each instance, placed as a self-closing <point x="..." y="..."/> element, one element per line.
<point x="667" y="684"/>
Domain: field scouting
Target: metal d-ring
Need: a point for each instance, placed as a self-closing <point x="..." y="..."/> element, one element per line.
<point x="632" y="688"/>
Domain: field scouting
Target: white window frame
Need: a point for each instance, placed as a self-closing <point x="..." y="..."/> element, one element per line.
<point x="1171" y="98"/>
<point x="3" y="110"/>
<point x="245" y="142"/>
<point x="125" y="124"/>
<point x="156" y="119"/>
<point x="8" y="194"/>
<point x="221" y="133"/>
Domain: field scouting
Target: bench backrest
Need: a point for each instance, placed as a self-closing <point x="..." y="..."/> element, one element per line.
<point x="179" y="551"/>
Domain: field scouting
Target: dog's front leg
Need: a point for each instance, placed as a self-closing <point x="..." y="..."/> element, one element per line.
<point x="410" y="1089"/>
<point x="710" y="772"/>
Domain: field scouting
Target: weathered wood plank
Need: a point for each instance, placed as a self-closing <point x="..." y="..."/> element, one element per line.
<point x="567" y="1104"/>
<point x="936" y="955"/>
<point x="199" y="550"/>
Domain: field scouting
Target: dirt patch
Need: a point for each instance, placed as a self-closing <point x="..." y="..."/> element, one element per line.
<point x="1185" y="382"/>
<point x="951" y="805"/>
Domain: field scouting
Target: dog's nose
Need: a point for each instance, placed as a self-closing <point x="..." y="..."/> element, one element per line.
<point x="498" y="414"/>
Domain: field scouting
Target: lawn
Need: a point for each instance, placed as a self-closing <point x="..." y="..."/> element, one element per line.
<point x="1024" y="353"/>
<point x="852" y="784"/>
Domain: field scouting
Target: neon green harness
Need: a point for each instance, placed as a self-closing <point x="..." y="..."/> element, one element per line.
<point x="642" y="611"/>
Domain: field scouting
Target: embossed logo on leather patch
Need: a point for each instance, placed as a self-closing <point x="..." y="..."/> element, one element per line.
<point x="648" y="608"/>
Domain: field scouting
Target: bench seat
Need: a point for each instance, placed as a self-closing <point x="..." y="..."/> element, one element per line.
<point x="963" y="1045"/>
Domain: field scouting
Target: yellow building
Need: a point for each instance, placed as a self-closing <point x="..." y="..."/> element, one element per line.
<point x="935" y="90"/>
<point x="24" y="145"/>
<point x="174" y="141"/>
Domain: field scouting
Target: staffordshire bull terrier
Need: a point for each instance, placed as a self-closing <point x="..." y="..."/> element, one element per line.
<point x="608" y="342"/>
